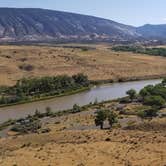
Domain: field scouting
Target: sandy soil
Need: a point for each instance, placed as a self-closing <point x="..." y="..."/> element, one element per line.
<point x="129" y="148"/>
<point x="99" y="64"/>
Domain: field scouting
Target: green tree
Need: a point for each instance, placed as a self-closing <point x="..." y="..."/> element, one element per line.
<point x="141" y="114"/>
<point x="28" y="88"/>
<point x="101" y="116"/>
<point x="132" y="93"/>
<point x="112" y="118"/>
<point x="81" y="79"/>
<point x="143" y="93"/>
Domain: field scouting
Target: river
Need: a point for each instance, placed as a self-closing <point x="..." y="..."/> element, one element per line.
<point x="99" y="93"/>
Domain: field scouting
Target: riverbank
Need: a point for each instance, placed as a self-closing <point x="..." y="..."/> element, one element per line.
<point x="60" y="113"/>
<point x="96" y="94"/>
<point x="93" y="83"/>
<point x="47" y="97"/>
<point x="129" y="79"/>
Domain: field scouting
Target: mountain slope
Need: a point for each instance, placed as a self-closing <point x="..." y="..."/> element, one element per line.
<point x="47" y="25"/>
<point x="153" y="31"/>
<point x="30" y="24"/>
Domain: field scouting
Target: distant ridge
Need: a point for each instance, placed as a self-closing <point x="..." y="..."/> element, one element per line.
<point x="30" y="24"/>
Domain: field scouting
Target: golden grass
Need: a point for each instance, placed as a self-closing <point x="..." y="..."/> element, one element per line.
<point x="87" y="147"/>
<point x="99" y="64"/>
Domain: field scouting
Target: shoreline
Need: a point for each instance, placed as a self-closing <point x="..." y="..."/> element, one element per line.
<point x="94" y="83"/>
<point x="47" y="97"/>
<point x="63" y="112"/>
<point x="123" y="80"/>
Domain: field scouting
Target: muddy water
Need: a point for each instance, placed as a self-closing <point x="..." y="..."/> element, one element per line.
<point x="99" y="93"/>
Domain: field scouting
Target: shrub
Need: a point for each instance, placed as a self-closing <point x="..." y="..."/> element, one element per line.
<point x="76" y="108"/>
<point x="48" y="111"/>
<point x="143" y="93"/>
<point x="157" y="101"/>
<point x="149" y="113"/>
<point x="141" y="114"/>
<point x="124" y="100"/>
<point x="26" y="127"/>
<point x="132" y="93"/>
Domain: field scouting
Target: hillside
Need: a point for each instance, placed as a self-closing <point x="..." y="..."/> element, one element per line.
<point x="47" y="25"/>
<point x="153" y="31"/>
<point x="42" y="25"/>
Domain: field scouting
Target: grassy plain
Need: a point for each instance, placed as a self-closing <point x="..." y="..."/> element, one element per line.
<point x="98" y="62"/>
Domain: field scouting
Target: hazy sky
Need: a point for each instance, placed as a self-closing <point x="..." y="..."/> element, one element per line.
<point x="133" y="12"/>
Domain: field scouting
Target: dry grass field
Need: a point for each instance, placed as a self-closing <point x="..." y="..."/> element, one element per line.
<point x="99" y="64"/>
<point x="75" y="141"/>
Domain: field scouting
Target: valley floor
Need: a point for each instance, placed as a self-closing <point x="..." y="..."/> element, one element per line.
<point x="74" y="139"/>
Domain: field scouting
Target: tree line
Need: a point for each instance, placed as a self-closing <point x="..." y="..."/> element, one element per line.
<point x="26" y="89"/>
<point x="142" y="50"/>
<point x="151" y="95"/>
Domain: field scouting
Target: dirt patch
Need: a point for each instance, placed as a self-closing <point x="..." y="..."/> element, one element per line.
<point x="26" y="67"/>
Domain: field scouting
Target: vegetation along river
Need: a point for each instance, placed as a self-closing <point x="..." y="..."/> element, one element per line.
<point x="99" y="93"/>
